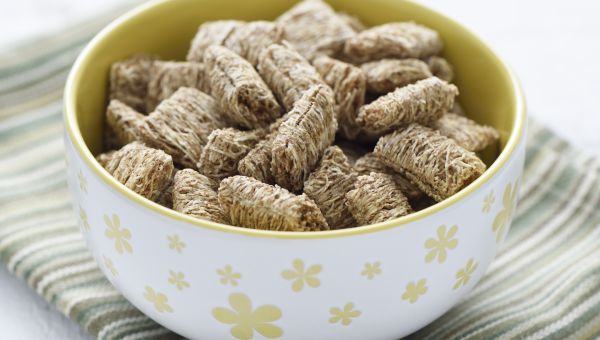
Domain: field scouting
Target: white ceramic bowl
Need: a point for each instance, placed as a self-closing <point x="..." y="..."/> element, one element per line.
<point x="211" y="281"/>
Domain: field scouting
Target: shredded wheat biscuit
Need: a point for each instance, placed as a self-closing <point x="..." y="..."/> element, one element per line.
<point x="393" y="40"/>
<point x="328" y="185"/>
<point x="352" y="149"/>
<point x="303" y="137"/>
<point x="105" y="157"/>
<point x="314" y="29"/>
<point x="180" y="125"/>
<point x="142" y="169"/>
<point x="348" y="84"/>
<point x="129" y="81"/>
<point x="224" y="149"/>
<point x="423" y="102"/>
<point x="386" y="75"/>
<point x="166" y="77"/>
<point x="257" y="163"/>
<point x="243" y="96"/>
<point x="247" y="39"/>
<point x="211" y="33"/>
<point x="441" y="68"/>
<point x="196" y="195"/>
<point x="435" y="163"/>
<point x="466" y="132"/>
<point x="287" y="73"/>
<point x="371" y="163"/>
<point x="250" y="203"/>
<point x="124" y="122"/>
<point x="377" y="198"/>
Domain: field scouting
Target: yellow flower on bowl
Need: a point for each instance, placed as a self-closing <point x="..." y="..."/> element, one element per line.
<point x="122" y="236"/>
<point x="109" y="265"/>
<point x="246" y="320"/>
<point x="414" y="291"/>
<point x="82" y="181"/>
<point x="371" y="270"/>
<point x="488" y="201"/>
<point x="175" y="243"/>
<point x="438" y="246"/>
<point x="299" y="275"/>
<point x="84" y="219"/>
<point x="463" y="275"/>
<point x="228" y="276"/>
<point x="159" y="300"/>
<point x="509" y="201"/>
<point x="344" y="315"/>
<point x="178" y="280"/>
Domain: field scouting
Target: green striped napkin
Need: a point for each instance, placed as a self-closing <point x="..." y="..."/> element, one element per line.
<point x="545" y="282"/>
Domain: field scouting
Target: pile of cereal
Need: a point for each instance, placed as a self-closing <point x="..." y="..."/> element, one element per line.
<point x="310" y="122"/>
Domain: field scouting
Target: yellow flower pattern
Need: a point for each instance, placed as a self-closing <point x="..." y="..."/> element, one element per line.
<point x="82" y="181"/>
<point x="246" y="320"/>
<point x="463" y="275"/>
<point x="178" y="280"/>
<point x="438" y="247"/>
<point x="175" y="243"/>
<point x="344" y="315"/>
<point x="108" y="264"/>
<point x="371" y="270"/>
<point x="488" y="201"/>
<point x="122" y="236"/>
<point x="414" y="291"/>
<point x="503" y="218"/>
<point x="228" y="276"/>
<point x="299" y="275"/>
<point x="159" y="300"/>
<point x="84" y="219"/>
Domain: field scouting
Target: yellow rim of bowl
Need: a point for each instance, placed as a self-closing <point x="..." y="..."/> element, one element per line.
<point x="79" y="144"/>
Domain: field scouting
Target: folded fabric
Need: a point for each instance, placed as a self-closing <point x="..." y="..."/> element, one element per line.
<point x="545" y="282"/>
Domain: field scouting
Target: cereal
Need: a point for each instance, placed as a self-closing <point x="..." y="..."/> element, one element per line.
<point x="386" y="75"/>
<point x="165" y="198"/>
<point x="196" y="195"/>
<point x="394" y="40"/>
<point x="129" y="81"/>
<point x="466" y="132"/>
<point x="166" y="77"/>
<point x="377" y="199"/>
<point x="435" y="163"/>
<point x="245" y="39"/>
<point x="348" y="84"/>
<point x="257" y="163"/>
<point x="315" y="29"/>
<point x="423" y="102"/>
<point x="328" y="185"/>
<point x="303" y="137"/>
<point x="250" y="203"/>
<point x="244" y="97"/>
<point x="124" y="122"/>
<point x="224" y="149"/>
<point x="180" y="125"/>
<point x="142" y="169"/>
<point x="371" y="163"/>
<point x="287" y="73"/>
<point x="211" y="33"/>
<point x="352" y="21"/>
<point x="441" y="68"/>
<point x="251" y="38"/>
<point x="104" y="158"/>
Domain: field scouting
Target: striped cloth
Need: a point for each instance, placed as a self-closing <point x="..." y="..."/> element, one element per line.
<point x="545" y="282"/>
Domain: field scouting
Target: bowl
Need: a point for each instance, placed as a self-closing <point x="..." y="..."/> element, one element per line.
<point x="212" y="281"/>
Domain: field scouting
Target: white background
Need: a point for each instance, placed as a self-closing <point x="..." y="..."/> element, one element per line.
<point x="554" y="47"/>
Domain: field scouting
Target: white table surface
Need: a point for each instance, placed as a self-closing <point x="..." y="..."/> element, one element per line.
<point x="552" y="45"/>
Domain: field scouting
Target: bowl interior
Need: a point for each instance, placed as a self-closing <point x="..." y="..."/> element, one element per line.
<point x="487" y="91"/>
